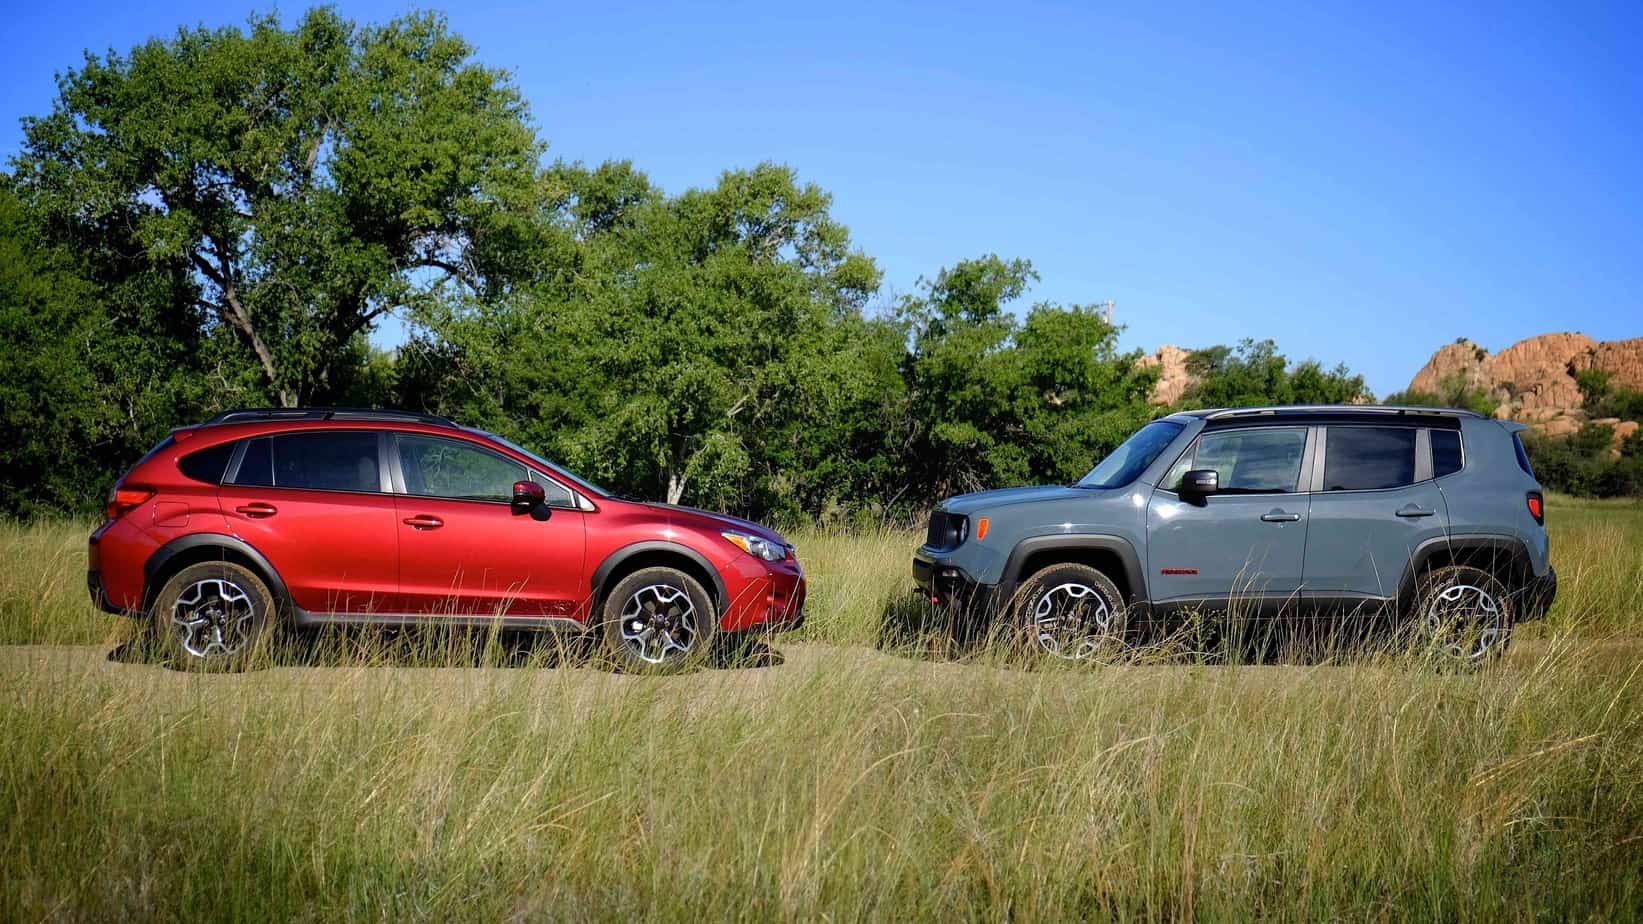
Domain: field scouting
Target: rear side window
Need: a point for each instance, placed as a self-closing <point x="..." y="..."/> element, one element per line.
<point x="207" y="465"/>
<point x="1446" y="458"/>
<point x="1522" y="455"/>
<point x="1368" y="458"/>
<point x="333" y="460"/>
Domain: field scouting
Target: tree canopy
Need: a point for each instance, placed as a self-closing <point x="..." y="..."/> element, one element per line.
<point x="309" y="180"/>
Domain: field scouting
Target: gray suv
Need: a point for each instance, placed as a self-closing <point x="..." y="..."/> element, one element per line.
<point x="1428" y="515"/>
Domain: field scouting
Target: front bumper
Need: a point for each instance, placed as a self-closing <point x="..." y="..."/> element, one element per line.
<point x="1538" y="596"/>
<point x="951" y="587"/>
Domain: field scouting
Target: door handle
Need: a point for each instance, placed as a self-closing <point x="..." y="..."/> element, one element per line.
<point x="1413" y="511"/>
<point x="257" y="510"/>
<point x="1278" y="516"/>
<point x="424" y="521"/>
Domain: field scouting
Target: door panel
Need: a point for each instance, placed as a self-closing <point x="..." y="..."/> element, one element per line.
<point x="1241" y="547"/>
<point x="1246" y="544"/>
<point x="334" y="545"/>
<point x="1372" y="511"/>
<point x="475" y="556"/>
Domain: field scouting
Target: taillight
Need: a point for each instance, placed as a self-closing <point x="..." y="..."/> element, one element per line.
<point x="1537" y="508"/>
<point x="121" y="500"/>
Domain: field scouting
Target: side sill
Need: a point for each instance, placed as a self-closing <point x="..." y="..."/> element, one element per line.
<point x="305" y="619"/>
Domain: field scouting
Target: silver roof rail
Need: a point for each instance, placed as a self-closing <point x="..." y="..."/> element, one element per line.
<point x="1385" y="409"/>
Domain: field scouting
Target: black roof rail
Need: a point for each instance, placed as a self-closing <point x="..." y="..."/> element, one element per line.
<point x="244" y="414"/>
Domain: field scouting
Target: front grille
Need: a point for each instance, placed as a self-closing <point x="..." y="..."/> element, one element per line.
<point x="946" y="530"/>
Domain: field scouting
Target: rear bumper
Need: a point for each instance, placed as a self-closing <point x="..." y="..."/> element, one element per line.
<point x="1539" y="596"/>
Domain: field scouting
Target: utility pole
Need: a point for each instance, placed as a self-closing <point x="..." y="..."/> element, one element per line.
<point x="1108" y="305"/>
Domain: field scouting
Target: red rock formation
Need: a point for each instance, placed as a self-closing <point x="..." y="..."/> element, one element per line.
<point x="1534" y="379"/>
<point x="1173" y="379"/>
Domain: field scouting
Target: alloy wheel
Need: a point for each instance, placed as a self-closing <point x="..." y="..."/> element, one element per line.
<point x="1466" y="621"/>
<point x="213" y="617"/>
<point x="1072" y="621"/>
<point x="659" y="623"/>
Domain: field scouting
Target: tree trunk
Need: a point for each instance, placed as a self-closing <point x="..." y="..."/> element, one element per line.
<point x="675" y="488"/>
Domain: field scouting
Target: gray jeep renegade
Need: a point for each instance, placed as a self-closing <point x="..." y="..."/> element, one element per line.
<point x="1432" y="516"/>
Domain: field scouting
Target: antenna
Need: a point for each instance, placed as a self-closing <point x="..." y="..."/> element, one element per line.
<point x="1108" y="305"/>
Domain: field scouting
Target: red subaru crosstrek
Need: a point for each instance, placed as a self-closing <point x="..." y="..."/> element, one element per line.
<point x="326" y="515"/>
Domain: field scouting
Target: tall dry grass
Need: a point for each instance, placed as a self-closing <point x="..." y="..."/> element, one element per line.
<point x="436" y="776"/>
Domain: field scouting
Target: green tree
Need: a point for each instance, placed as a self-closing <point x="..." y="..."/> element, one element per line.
<point x="690" y="337"/>
<point x="995" y="401"/>
<point x="309" y="179"/>
<point x="1255" y="373"/>
<point x="94" y="366"/>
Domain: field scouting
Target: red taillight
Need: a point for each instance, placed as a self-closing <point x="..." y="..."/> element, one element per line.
<point x="1536" y="509"/>
<point x="126" y="499"/>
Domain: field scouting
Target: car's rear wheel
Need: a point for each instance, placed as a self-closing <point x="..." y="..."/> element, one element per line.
<point x="212" y="616"/>
<point x="1069" y="611"/>
<point x="1463" y="615"/>
<point x="659" y="620"/>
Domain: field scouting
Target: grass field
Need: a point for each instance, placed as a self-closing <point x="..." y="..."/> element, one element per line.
<point x="440" y="776"/>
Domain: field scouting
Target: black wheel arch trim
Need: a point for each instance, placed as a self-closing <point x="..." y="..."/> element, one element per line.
<point x="164" y="554"/>
<point x="1117" y="545"/>
<point x="617" y="558"/>
<point x="1520" y="576"/>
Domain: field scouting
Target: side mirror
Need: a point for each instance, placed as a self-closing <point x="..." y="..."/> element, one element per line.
<point x="527" y="496"/>
<point x="1200" y="482"/>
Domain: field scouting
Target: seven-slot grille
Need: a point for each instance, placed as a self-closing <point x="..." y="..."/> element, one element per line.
<point x="946" y="530"/>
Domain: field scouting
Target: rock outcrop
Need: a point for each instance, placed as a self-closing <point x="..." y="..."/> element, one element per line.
<point x="1534" y="380"/>
<point x="1173" y="378"/>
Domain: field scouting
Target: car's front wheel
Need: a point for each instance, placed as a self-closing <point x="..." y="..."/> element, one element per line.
<point x="212" y="616"/>
<point x="1070" y="611"/>
<point x="659" y="620"/>
<point x="1463" y="615"/>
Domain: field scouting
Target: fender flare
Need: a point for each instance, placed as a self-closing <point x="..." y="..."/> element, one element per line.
<point x="165" y="553"/>
<point x="615" y="559"/>
<point x="1117" y="545"/>
<point x="1512" y="548"/>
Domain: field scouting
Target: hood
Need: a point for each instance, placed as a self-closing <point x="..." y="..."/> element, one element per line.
<point x="720" y="520"/>
<point x="987" y="500"/>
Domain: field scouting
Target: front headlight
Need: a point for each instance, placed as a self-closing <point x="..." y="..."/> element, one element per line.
<point x="755" y="546"/>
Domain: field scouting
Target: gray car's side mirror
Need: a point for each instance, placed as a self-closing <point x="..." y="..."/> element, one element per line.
<point x="1200" y="482"/>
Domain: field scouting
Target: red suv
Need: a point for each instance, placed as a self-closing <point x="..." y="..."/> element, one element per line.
<point x="327" y="515"/>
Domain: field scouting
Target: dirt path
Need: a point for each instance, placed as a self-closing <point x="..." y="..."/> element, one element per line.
<point x="26" y="670"/>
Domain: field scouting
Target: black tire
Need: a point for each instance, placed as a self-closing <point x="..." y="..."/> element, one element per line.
<point x="648" y="627"/>
<point x="1068" y="611"/>
<point x="1463" y="616"/>
<point x="213" y="616"/>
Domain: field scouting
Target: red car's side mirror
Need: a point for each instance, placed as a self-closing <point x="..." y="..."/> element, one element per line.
<point x="527" y="496"/>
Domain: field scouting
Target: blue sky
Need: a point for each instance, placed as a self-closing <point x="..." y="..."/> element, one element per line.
<point x="1360" y="182"/>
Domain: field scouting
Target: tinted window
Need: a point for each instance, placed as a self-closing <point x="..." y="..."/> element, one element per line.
<point x="207" y="465"/>
<point x="435" y="467"/>
<point x="1367" y="458"/>
<point x="1263" y="461"/>
<point x="332" y="460"/>
<point x="1445" y="452"/>
<point x="1124" y="464"/>
<point x="1522" y="456"/>
<point x="257" y="465"/>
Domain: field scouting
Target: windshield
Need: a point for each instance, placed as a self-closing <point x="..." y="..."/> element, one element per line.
<point x="1130" y="459"/>
<point x="574" y="479"/>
